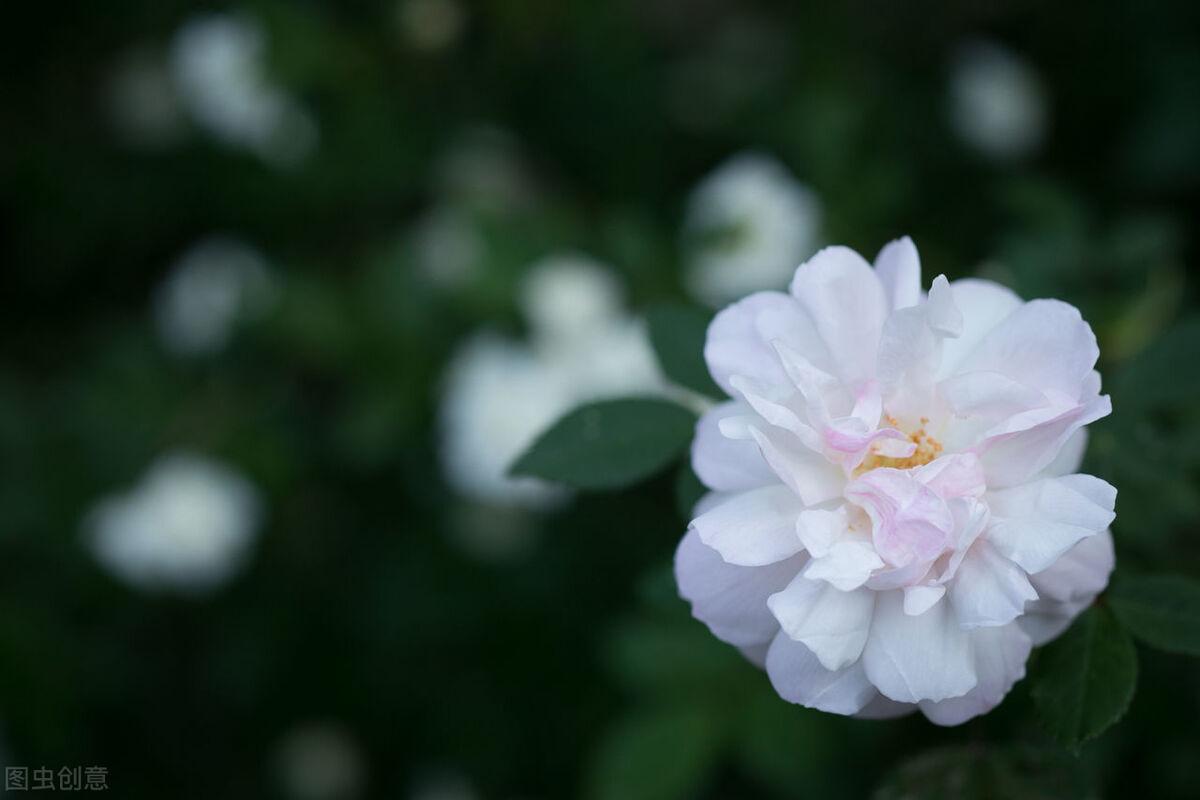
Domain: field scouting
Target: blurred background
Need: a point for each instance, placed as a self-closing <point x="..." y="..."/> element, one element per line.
<point x="286" y="286"/>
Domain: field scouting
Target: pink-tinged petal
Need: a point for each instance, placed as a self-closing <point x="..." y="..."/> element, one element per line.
<point x="846" y="302"/>
<point x="915" y="658"/>
<point x="819" y="529"/>
<point x="753" y="528"/>
<point x="989" y="590"/>
<point x="984" y="304"/>
<point x="1070" y="457"/>
<point x="798" y="677"/>
<point x="955" y="475"/>
<point x="1081" y="573"/>
<point x="740" y="339"/>
<point x="809" y="475"/>
<point x="911" y="524"/>
<point x="1015" y="457"/>
<point x="832" y="623"/>
<point x="999" y="655"/>
<point x="847" y="441"/>
<point x="1035" y="524"/>
<point x="727" y="464"/>
<point x="847" y="565"/>
<point x="898" y="267"/>
<point x="919" y="599"/>
<point x="881" y="707"/>
<point x="731" y="601"/>
<point x="1044" y="344"/>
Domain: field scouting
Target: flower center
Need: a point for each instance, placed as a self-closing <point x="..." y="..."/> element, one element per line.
<point x="927" y="450"/>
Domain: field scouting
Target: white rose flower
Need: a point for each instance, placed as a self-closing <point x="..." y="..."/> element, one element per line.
<point x="895" y="518"/>
<point x="188" y="526"/>
<point x="219" y="64"/>
<point x="747" y="226"/>
<point x="217" y="283"/>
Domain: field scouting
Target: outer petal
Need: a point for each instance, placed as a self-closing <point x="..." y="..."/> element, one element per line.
<point x="988" y="589"/>
<point x="753" y="528"/>
<point x="740" y="339"/>
<point x="881" y="707"/>
<point x="926" y="657"/>
<point x="898" y="268"/>
<point x="725" y="464"/>
<point x="1070" y="457"/>
<point x="1034" y="524"/>
<point x="832" y="623"/>
<point x="1044" y="620"/>
<point x="999" y="655"/>
<point x="731" y="601"/>
<point x="1082" y="572"/>
<point x="846" y="301"/>
<point x="1013" y="458"/>
<point x="798" y="677"/>
<point x="1043" y="344"/>
<point x="1068" y="587"/>
<point x="984" y="304"/>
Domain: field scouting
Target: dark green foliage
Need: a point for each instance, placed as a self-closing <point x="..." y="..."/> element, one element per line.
<point x="610" y="444"/>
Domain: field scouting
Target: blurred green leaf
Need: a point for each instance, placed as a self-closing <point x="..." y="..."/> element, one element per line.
<point x="609" y="444"/>
<point x="976" y="772"/>
<point x="1161" y="610"/>
<point x="1162" y="374"/>
<point x="678" y="333"/>
<point x="1084" y="682"/>
<point x="662" y="754"/>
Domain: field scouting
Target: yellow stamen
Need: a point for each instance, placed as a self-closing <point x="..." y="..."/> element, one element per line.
<point x="927" y="450"/>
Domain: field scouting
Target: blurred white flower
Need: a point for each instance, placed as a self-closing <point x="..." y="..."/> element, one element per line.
<point x="217" y="283"/>
<point x="187" y="526"/>
<point x="896" y="514"/>
<point x="748" y="225"/>
<point x="320" y="761"/>
<point x="219" y="64"/>
<point x="997" y="103"/>
<point x="569" y="295"/>
<point x="430" y="25"/>
<point x="141" y="100"/>
<point x="500" y="394"/>
<point x="497" y="398"/>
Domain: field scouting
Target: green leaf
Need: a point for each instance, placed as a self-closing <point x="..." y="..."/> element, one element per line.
<point x="678" y="334"/>
<point x="1161" y="610"/>
<point x="661" y="754"/>
<point x="610" y="444"/>
<point x="1084" y="681"/>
